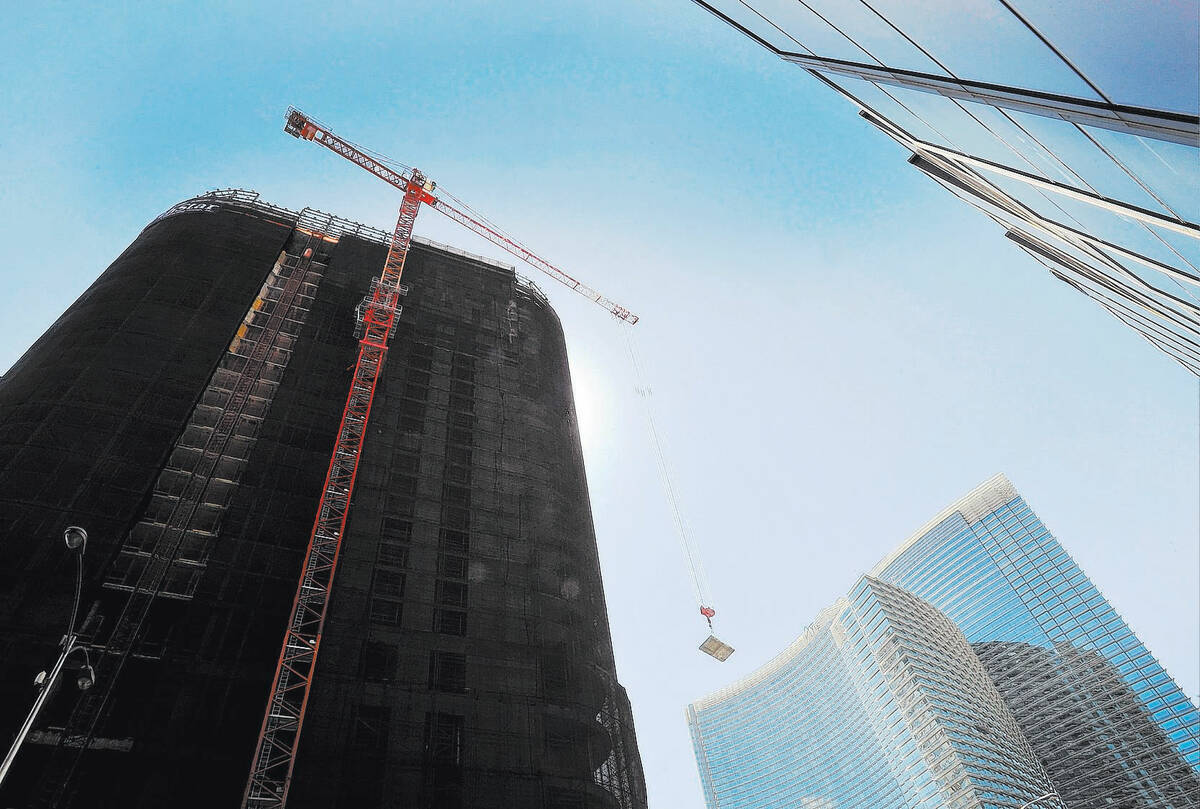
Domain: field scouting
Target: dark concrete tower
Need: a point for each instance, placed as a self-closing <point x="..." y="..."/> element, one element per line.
<point x="183" y="410"/>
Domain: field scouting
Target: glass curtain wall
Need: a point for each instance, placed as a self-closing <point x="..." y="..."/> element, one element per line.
<point x="1078" y="137"/>
<point x="881" y="703"/>
<point x="976" y="665"/>
<point x="1109" y="723"/>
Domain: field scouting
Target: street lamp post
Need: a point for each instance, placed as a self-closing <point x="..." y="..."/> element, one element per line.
<point x="76" y="540"/>
<point x="1038" y="799"/>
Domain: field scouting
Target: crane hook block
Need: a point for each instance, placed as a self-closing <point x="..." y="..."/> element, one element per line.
<point x="707" y="612"/>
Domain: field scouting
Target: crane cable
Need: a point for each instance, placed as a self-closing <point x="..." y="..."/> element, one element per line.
<point x="691" y="554"/>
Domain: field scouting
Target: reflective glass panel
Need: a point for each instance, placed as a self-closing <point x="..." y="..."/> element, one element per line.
<point x="1139" y="53"/>
<point x="981" y="40"/>
<point x="1171" y="170"/>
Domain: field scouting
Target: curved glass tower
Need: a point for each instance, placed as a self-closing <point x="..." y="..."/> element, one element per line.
<point x="1111" y="726"/>
<point x="797" y="727"/>
<point x="881" y="703"/>
<point x="975" y="666"/>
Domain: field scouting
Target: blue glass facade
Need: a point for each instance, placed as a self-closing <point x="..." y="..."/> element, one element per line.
<point x="748" y="749"/>
<point x="1110" y="724"/>
<point x="881" y="703"/>
<point x="975" y="666"/>
<point x="1043" y="117"/>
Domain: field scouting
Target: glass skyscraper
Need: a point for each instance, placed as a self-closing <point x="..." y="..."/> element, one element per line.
<point x="1104" y="716"/>
<point x="881" y="703"/>
<point x="848" y="714"/>
<point x="1072" y="125"/>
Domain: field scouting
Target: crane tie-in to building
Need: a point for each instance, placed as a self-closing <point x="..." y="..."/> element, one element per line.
<point x="283" y="719"/>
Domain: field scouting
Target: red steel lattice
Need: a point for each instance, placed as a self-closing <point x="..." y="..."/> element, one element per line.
<point x="275" y="756"/>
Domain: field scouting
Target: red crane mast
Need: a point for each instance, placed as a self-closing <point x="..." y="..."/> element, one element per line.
<point x="275" y="754"/>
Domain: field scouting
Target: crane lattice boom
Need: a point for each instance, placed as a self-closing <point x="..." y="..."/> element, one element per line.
<point x="275" y="755"/>
<point x="302" y="126"/>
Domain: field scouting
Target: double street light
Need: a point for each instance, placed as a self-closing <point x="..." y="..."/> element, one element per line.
<point x="76" y="541"/>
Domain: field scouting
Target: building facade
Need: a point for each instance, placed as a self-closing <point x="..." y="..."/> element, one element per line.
<point x="1111" y="726"/>
<point x="1080" y="142"/>
<point x="837" y="720"/>
<point x="881" y="703"/>
<point x="183" y="411"/>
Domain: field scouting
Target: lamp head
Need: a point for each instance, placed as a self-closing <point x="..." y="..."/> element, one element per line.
<point x="75" y="537"/>
<point x="86" y="677"/>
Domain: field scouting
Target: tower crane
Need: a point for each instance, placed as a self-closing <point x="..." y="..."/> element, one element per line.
<point x="275" y="754"/>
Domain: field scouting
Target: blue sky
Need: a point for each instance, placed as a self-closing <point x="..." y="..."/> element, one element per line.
<point x="838" y="349"/>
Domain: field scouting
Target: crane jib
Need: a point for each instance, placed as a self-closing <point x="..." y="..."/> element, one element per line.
<point x="302" y="126"/>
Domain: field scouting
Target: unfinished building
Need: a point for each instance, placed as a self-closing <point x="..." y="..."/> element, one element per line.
<point x="183" y="410"/>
